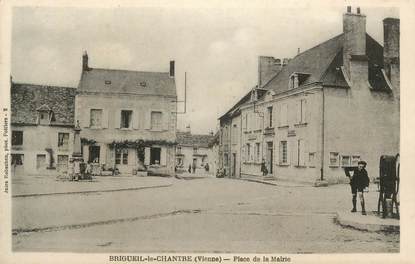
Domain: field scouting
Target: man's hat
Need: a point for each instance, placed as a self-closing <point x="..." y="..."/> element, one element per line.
<point x="362" y="162"/>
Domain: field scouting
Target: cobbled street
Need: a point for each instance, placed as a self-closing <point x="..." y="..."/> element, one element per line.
<point x="196" y="215"/>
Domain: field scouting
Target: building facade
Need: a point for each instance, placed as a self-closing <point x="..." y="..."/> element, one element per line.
<point x="42" y="124"/>
<point x="325" y="109"/>
<point x="195" y="150"/>
<point x="128" y="119"/>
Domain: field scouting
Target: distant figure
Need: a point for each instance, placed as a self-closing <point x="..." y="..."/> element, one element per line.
<point x="194" y="167"/>
<point x="207" y="167"/>
<point x="358" y="181"/>
<point x="190" y="169"/>
<point x="264" y="169"/>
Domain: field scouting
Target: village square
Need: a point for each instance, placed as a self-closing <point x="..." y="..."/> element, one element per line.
<point x="305" y="161"/>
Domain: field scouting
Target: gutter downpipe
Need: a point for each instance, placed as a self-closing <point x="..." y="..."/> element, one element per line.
<point x="322" y="137"/>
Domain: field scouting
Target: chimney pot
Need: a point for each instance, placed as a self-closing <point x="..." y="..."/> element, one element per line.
<point x="85" y="66"/>
<point x="171" y="73"/>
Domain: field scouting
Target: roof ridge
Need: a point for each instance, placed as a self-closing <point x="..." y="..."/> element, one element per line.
<point x="44" y="85"/>
<point x="122" y="70"/>
<point x="318" y="45"/>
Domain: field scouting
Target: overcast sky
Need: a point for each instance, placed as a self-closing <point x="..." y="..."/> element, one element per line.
<point x="217" y="47"/>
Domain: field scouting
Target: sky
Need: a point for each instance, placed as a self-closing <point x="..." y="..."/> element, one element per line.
<point x="218" y="47"/>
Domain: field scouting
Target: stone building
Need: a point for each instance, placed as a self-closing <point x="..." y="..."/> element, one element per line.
<point x="325" y="109"/>
<point x="128" y="118"/>
<point x="195" y="149"/>
<point x="42" y="124"/>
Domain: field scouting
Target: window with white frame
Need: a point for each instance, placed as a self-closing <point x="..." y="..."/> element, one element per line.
<point x="283" y="152"/>
<point x="334" y="159"/>
<point x="312" y="159"/>
<point x="355" y="160"/>
<point x="63" y="140"/>
<point x="95" y="118"/>
<point x="126" y="116"/>
<point x="17" y="138"/>
<point x="269" y="111"/>
<point x="121" y="156"/>
<point x="346" y="161"/>
<point x="156" y="120"/>
<point x="17" y="159"/>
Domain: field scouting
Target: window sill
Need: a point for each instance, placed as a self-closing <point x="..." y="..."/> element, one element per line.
<point x="281" y="127"/>
<point x="126" y="128"/>
<point x="283" y="165"/>
<point x="300" y="125"/>
<point x="333" y="166"/>
<point x="300" y="166"/>
<point x="17" y="147"/>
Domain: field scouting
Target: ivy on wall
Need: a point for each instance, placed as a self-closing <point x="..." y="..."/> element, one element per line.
<point x="139" y="144"/>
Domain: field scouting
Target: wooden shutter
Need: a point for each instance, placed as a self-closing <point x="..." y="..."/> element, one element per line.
<point x="163" y="156"/>
<point x="85" y="118"/>
<point x="147" y="120"/>
<point x="165" y="119"/>
<point x="104" y="119"/>
<point x="102" y="154"/>
<point x="304" y="111"/>
<point x="136" y="119"/>
<point x="147" y="156"/>
<point x="298" y="113"/>
<point x="117" y="118"/>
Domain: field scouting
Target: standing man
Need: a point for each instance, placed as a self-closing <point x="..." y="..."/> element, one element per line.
<point x="358" y="181"/>
<point x="264" y="169"/>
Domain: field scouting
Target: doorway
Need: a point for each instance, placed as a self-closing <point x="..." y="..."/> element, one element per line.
<point x="270" y="157"/>
<point x="233" y="165"/>
<point x="94" y="154"/>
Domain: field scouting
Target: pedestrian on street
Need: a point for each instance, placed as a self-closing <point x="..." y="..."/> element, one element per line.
<point x="358" y="182"/>
<point x="190" y="169"/>
<point x="264" y="169"/>
<point x="194" y="167"/>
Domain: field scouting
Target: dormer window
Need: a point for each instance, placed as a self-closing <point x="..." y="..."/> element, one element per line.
<point x="297" y="79"/>
<point x="44" y="115"/>
<point x="107" y="82"/>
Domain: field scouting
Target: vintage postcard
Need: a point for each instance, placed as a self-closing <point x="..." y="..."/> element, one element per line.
<point x="212" y="132"/>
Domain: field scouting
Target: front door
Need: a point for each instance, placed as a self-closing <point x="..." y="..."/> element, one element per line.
<point x="233" y="164"/>
<point x="270" y="157"/>
<point x="94" y="154"/>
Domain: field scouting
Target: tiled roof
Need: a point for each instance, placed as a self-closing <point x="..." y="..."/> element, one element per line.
<point x="128" y="82"/>
<point x="27" y="99"/>
<point x="188" y="139"/>
<point x="323" y="63"/>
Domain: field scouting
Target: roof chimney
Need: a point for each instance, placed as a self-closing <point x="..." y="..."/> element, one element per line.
<point x="85" y="66"/>
<point x="391" y="33"/>
<point x="171" y="69"/>
<point x="268" y="67"/>
<point x="354" y="30"/>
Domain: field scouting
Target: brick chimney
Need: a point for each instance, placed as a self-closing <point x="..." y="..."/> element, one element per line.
<point x="354" y="48"/>
<point x="85" y="66"/>
<point x="268" y="67"/>
<point x="391" y="33"/>
<point x="171" y="72"/>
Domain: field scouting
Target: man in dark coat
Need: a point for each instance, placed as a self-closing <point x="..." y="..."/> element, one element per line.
<point x="358" y="181"/>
